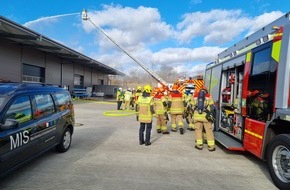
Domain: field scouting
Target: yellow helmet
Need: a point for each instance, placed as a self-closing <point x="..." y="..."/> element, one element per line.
<point x="147" y="88"/>
<point x="139" y="88"/>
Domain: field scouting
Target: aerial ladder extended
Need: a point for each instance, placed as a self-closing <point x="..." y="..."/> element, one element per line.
<point x="152" y="73"/>
<point x="197" y="82"/>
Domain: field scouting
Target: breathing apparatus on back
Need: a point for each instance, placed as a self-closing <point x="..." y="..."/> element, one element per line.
<point x="200" y="101"/>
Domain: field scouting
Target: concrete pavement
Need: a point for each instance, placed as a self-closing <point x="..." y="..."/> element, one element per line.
<point x="105" y="154"/>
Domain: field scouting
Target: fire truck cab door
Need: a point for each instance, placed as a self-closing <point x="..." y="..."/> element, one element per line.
<point x="258" y="91"/>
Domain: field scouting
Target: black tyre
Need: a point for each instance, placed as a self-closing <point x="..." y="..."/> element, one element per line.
<point x="278" y="158"/>
<point x="65" y="141"/>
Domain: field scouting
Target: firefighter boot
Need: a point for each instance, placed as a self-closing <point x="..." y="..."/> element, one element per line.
<point x="199" y="147"/>
<point x="181" y="131"/>
<point x="211" y="148"/>
<point x="173" y="129"/>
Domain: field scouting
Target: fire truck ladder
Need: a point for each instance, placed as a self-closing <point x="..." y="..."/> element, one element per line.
<point x="152" y="73"/>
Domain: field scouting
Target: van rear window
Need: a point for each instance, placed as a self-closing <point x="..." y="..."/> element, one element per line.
<point x="63" y="101"/>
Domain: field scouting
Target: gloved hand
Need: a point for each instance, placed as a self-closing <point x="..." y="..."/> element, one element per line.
<point x="209" y="116"/>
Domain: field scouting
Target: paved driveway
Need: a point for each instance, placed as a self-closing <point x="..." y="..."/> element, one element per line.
<point x="105" y="154"/>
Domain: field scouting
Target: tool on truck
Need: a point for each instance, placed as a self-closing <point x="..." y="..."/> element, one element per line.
<point x="250" y="83"/>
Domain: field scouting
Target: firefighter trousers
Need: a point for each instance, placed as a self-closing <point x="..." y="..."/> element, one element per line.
<point x="161" y="122"/>
<point x="189" y="121"/>
<point x="176" y="120"/>
<point x="199" y="125"/>
<point x="126" y="105"/>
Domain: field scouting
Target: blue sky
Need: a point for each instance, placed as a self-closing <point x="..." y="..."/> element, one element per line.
<point x="184" y="34"/>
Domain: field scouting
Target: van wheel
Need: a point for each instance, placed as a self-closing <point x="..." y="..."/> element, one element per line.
<point x="278" y="157"/>
<point x="65" y="141"/>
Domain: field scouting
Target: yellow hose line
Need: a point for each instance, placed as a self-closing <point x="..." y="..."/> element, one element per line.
<point x="97" y="102"/>
<point x="103" y="102"/>
<point x="119" y="113"/>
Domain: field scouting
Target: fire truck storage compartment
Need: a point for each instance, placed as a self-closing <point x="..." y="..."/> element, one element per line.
<point x="231" y="120"/>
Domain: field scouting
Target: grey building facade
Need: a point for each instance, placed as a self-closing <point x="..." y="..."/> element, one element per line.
<point x="27" y="56"/>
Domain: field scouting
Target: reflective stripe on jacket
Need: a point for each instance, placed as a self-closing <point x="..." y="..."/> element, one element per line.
<point x="177" y="103"/>
<point x="144" y="103"/>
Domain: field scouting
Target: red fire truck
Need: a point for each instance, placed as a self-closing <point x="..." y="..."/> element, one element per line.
<point x="250" y="83"/>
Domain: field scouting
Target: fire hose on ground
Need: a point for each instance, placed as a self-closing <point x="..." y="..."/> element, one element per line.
<point x="119" y="113"/>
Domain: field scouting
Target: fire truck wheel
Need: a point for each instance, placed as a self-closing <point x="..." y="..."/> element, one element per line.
<point x="278" y="158"/>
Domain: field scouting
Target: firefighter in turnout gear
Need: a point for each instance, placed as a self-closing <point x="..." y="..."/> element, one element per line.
<point x="160" y="106"/>
<point x="203" y="118"/>
<point x="188" y="111"/>
<point x="145" y="109"/>
<point x="119" y="98"/>
<point x="127" y="99"/>
<point x="176" y="105"/>
<point x="137" y="95"/>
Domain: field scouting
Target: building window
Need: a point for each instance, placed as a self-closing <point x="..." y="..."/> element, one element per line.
<point x="33" y="74"/>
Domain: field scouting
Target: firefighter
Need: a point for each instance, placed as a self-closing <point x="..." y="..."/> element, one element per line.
<point x="145" y="109"/>
<point x="137" y="95"/>
<point x="166" y="96"/>
<point x="119" y="98"/>
<point x="160" y="106"/>
<point x="203" y="105"/>
<point x="176" y="105"/>
<point x="132" y="101"/>
<point x="188" y="110"/>
<point x="127" y="99"/>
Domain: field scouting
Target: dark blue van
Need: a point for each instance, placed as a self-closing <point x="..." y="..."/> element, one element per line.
<point x="33" y="119"/>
